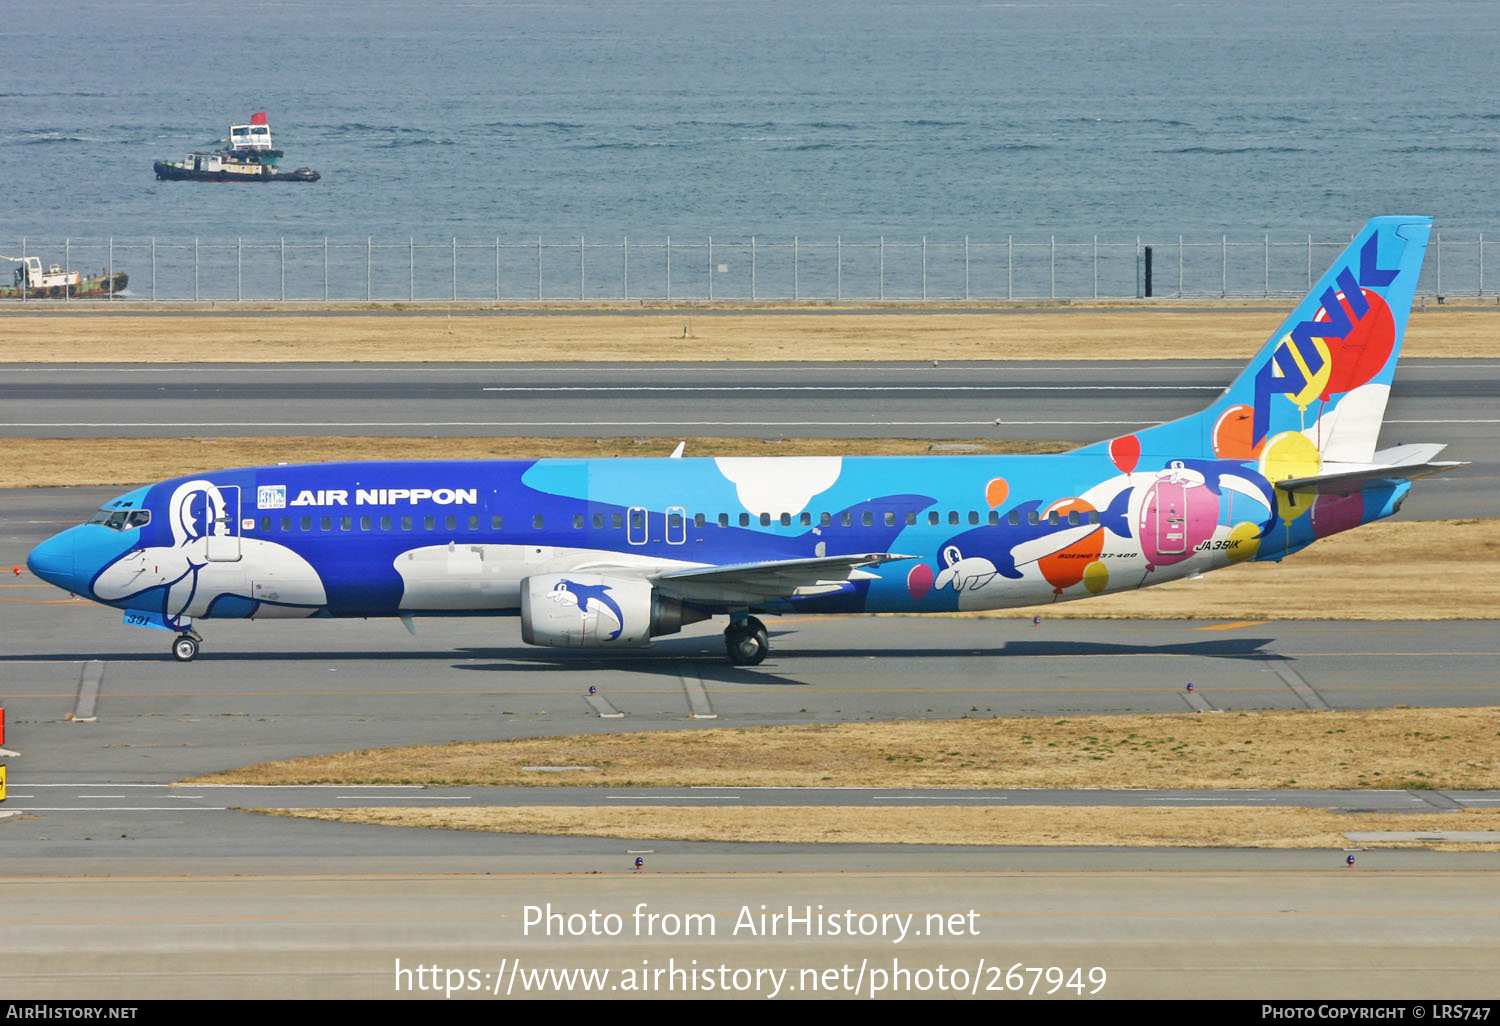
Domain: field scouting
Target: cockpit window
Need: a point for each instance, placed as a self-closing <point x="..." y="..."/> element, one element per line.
<point x="121" y="519"/>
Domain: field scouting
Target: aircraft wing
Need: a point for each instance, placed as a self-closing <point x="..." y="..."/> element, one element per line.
<point x="1401" y="462"/>
<point x="749" y="583"/>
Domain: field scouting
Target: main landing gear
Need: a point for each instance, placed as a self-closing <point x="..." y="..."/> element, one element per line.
<point x="746" y="641"/>
<point x="185" y="646"/>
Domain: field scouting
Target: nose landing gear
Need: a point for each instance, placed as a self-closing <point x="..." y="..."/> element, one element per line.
<point x="746" y="642"/>
<point x="185" y="646"/>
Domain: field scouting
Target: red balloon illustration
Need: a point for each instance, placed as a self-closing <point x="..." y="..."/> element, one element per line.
<point x="1361" y="354"/>
<point x="1125" y="452"/>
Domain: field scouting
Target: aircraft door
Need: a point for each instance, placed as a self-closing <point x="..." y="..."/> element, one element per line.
<point x="636" y="520"/>
<point x="222" y="524"/>
<point x="1171" y="518"/>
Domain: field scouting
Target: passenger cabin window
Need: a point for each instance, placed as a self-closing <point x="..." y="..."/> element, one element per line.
<point x="824" y="519"/>
<point x="429" y="523"/>
<point x="365" y="523"/>
<point x="723" y="519"/>
<point x="765" y="520"/>
<point x="325" y="523"/>
<point x="598" y="521"/>
<point x="536" y="521"/>
<point x="307" y="523"/>
<point x="473" y="523"/>
<point x="406" y="523"/>
<point x="496" y="522"/>
<point x="1031" y="518"/>
<point x="973" y="517"/>
<point x="385" y="523"/>
<point x="577" y="521"/>
<point x="953" y="517"/>
<point x="994" y="517"/>
<point x="786" y="520"/>
<point x="847" y="519"/>
<point x="286" y="523"/>
<point x="346" y="523"/>
<point x="934" y="518"/>
<point x="265" y="523"/>
<point x="698" y="520"/>
<point x="911" y="518"/>
<point x="450" y="523"/>
<point x="614" y="521"/>
<point x="890" y="520"/>
<point x="806" y="519"/>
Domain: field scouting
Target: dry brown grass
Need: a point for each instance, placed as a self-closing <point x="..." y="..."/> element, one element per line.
<point x="1385" y="748"/>
<point x="1223" y="827"/>
<point x="61" y="336"/>
<point x="54" y="462"/>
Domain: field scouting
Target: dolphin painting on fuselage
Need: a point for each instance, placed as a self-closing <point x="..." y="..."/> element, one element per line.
<point x="614" y="552"/>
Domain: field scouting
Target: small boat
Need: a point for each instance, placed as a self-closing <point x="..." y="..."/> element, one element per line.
<point x="251" y="157"/>
<point x="31" y="282"/>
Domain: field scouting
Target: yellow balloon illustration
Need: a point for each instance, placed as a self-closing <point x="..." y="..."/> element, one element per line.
<point x="1315" y="382"/>
<point x="1096" y="577"/>
<point x="1290" y="454"/>
<point x="1243" y="543"/>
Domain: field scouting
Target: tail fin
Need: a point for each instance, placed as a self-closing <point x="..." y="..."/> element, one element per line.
<point x="1326" y="372"/>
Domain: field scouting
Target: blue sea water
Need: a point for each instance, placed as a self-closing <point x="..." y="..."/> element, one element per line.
<point x="648" y="118"/>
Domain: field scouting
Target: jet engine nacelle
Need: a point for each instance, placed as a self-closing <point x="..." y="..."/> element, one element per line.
<point x="594" y="610"/>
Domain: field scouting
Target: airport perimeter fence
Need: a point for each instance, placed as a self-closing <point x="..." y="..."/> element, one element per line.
<point x="744" y="270"/>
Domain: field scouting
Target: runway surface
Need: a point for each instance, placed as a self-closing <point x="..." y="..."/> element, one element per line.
<point x="161" y="893"/>
<point x="1449" y="401"/>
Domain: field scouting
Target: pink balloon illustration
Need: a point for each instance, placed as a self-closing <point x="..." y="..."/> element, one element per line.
<point x="919" y="581"/>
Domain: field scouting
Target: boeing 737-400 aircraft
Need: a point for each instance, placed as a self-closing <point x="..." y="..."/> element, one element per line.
<point x="613" y="552"/>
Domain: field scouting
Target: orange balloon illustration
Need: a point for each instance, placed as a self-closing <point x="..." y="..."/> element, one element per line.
<point x="996" y="491"/>
<point x="1065" y="567"/>
<point x="1232" y="434"/>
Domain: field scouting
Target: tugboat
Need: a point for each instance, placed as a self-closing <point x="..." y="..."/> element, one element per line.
<point x="31" y="282"/>
<point x="250" y="158"/>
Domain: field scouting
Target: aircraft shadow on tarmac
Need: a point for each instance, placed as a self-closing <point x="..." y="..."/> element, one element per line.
<point x="678" y="656"/>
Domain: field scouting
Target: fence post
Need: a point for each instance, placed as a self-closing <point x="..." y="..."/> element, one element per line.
<point x="625" y="265"/>
<point x="1223" y="266"/>
<point x="882" y="267"/>
<point x="283" y="268"/>
<point x="1096" y="267"/>
<point x="1052" y="285"/>
<point x="453" y="286"/>
<point x="153" y="269"/>
<point x="1010" y="253"/>
<point x="195" y="268"/>
<point x="68" y="266"/>
<point x="966" y="268"/>
<point x="710" y="268"/>
<point x="1309" y="263"/>
<point x="497" y="268"/>
<point x="25" y="279"/>
<point x="325" y="268"/>
<point x="669" y="268"/>
<point x="109" y="273"/>
<point x="1268" y="265"/>
<point x="369" y="254"/>
<point x="239" y="269"/>
<point x="838" y="267"/>
<point x="924" y="268"/>
<point x="411" y="269"/>
<point x="796" y="283"/>
<point x="1481" y="263"/>
<point x="1179" y="267"/>
<point x="581" y="269"/>
<point x="538" y="268"/>
<point x="752" y="267"/>
<point x="1438" y="237"/>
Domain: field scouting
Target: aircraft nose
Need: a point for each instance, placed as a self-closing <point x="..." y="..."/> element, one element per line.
<point x="53" y="562"/>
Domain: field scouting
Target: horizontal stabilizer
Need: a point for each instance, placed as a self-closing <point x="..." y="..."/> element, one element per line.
<point x="1404" y="462"/>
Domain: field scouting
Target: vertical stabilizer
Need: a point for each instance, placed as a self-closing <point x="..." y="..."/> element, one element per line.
<point x="1326" y="373"/>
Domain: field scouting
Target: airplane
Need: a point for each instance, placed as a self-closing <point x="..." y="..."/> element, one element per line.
<point x="610" y="553"/>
